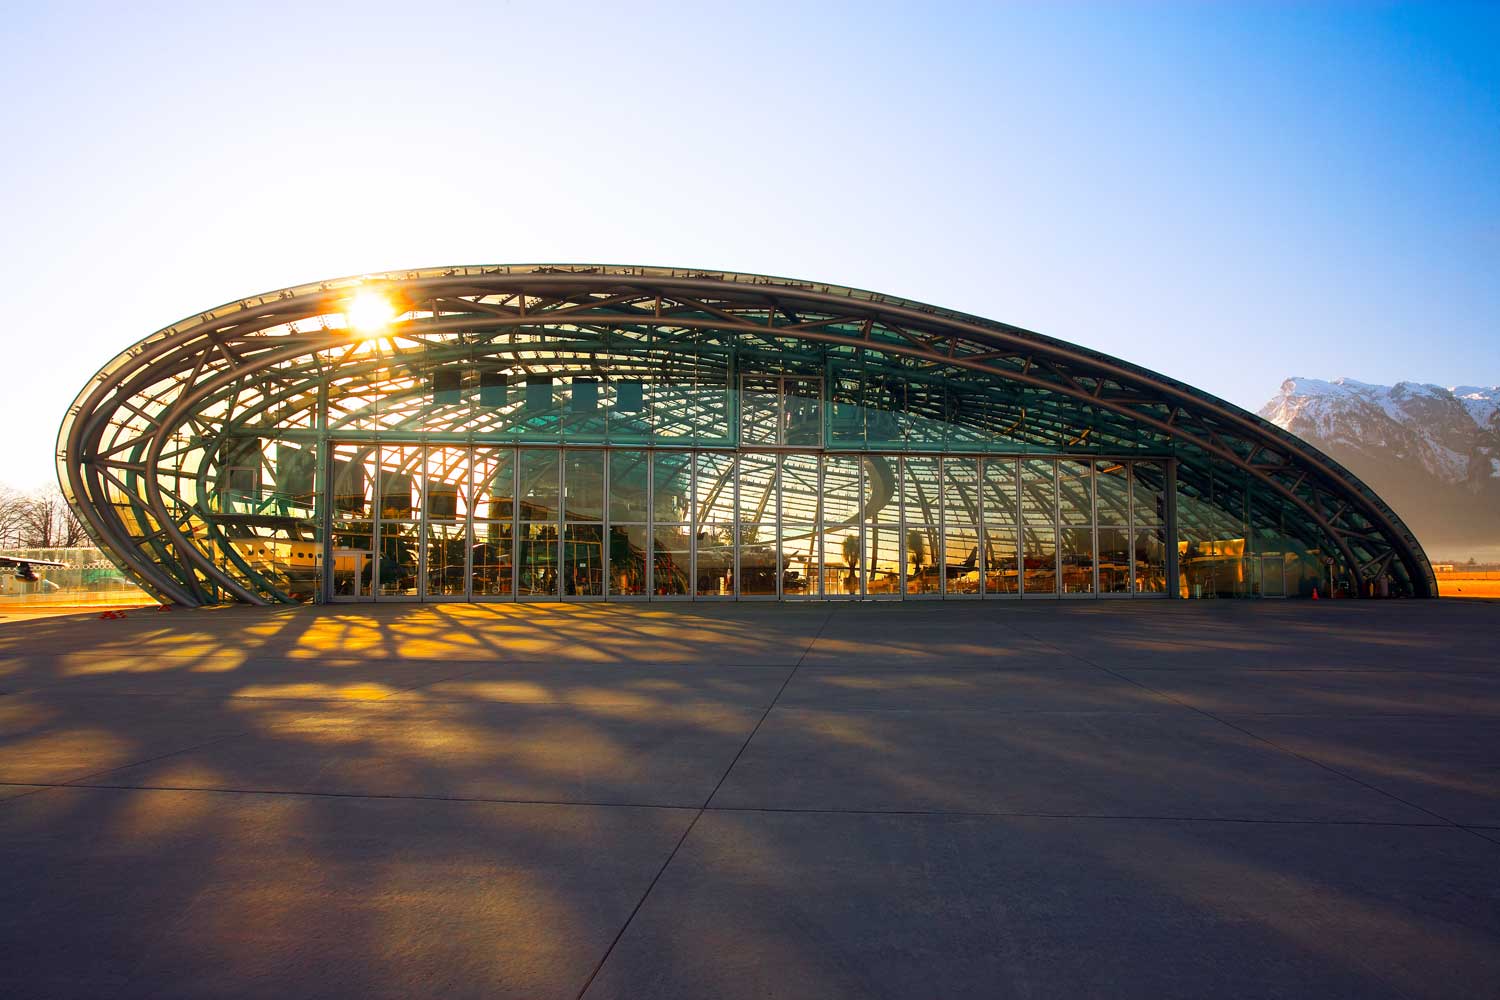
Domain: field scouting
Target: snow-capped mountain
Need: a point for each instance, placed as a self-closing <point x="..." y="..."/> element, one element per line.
<point x="1433" y="452"/>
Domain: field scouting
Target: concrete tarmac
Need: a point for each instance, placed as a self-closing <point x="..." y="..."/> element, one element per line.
<point x="997" y="799"/>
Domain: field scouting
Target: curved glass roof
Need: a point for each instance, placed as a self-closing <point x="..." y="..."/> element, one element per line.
<point x="446" y="355"/>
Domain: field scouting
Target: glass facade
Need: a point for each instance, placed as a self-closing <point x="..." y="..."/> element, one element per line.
<point x="589" y="433"/>
<point x="636" y="523"/>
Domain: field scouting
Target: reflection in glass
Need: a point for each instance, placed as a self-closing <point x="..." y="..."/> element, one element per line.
<point x="1113" y="492"/>
<point x="1078" y="560"/>
<point x="1114" y="559"/>
<point x="448" y="483"/>
<point x="536" y="561"/>
<point x="494" y="483"/>
<point x="583" y="485"/>
<point x="757" y="487"/>
<point x="583" y="560"/>
<point x="538" y="484"/>
<point x="672" y="478"/>
<point x="627" y="560"/>
<point x="396" y="569"/>
<point x="629" y="474"/>
<point x="843" y="562"/>
<point x="799" y="548"/>
<point x="1148" y="488"/>
<point x="671" y="555"/>
<point x="803" y="405"/>
<point x="1001" y="570"/>
<point x="400" y="481"/>
<point x="882" y="558"/>
<point x="715" y="565"/>
<point x="961" y="525"/>
<point x="760" y="410"/>
<point x="493" y="563"/>
<point x="923" y="550"/>
<point x="447" y="547"/>
<point x="1151" y="560"/>
<point x="1038" y="492"/>
<point x="1040" y="555"/>
<point x="759" y="564"/>
<point x="713" y="487"/>
<point x="801" y="496"/>
<point x="353" y="556"/>
<point x="1075" y="492"/>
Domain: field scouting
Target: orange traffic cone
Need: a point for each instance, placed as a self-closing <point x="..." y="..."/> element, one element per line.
<point x="1315" y="593"/>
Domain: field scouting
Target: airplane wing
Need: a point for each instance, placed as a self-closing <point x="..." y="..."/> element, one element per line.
<point x="7" y="562"/>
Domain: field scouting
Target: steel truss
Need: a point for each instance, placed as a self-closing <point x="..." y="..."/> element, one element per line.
<point x="147" y="443"/>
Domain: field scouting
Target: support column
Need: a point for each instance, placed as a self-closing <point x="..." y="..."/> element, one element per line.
<point x="1174" y="590"/>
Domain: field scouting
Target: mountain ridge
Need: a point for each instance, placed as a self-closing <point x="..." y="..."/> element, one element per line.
<point x="1432" y="452"/>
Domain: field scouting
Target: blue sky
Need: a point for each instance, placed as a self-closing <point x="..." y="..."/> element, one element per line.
<point x="1229" y="194"/>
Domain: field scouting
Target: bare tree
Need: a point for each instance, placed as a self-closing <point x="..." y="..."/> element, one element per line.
<point x="41" y="519"/>
<point x="13" y="505"/>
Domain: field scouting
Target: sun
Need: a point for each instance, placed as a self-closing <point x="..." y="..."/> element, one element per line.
<point x="369" y="312"/>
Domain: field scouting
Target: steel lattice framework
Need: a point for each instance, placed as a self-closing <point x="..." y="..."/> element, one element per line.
<point x="142" y="447"/>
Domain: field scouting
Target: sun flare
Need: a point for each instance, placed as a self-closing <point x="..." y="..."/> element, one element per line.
<point x="369" y="312"/>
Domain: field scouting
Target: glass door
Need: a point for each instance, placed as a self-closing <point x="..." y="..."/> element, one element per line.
<point x="445" y="527"/>
<point x="492" y="563"/>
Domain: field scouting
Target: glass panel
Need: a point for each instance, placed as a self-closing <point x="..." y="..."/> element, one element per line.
<point x="627" y="559"/>
<point x="1040" y="560"/>
<point x="1148" y="491"/>
<point x="672" y="472"/>
<point x="757" y="488"/>
<point x="1075" y="492"/>
<point x="536" y="564"/>
<point x="446" y="548"/>
<point x="583" y="485"/>
<point x="353" y="481"/>
<point x="1038" y="491"/>
<point x="1113" y="494"/>
<point x="1210" y="537"/>
<point x="1078" y="560"/>
<point x="1000" y="492"/>
<point x="843" y="501"/>
<point x="883" y="558"/>
<point x="923" y="548"/>
<point x="583" y="560"/>
<point x="961" y="558"/>
<point x="803" y="408"/>
<point x="629" y="474"/>
<point x="1000" y="559"/>
<point x="448" y="483"/>
<point x="846" y="421"/>
<point x="538" y="484"/>
<point x="400" y="481"/>
<point x="758" y="559"/>
<point x="714" y="488"/>
<point x="493" y="565"/>
<point x="671" y="559"/>
<point x="397" y="576"/>
<point x="353" y="559"/>
<point x="919" y="491"/>
<point x="494" y="483"/>
<point x="799" y="553"/>
<point x="883" y="489"/>
<point x="801" y="499"/>
<point x="1114" y="556"/>
<point x="760" y="414"/>
<point x="1151" y="560"/>
<point x="715" y="558"/>
<point x="961" y="525"/>
<point x="843" y="561"/>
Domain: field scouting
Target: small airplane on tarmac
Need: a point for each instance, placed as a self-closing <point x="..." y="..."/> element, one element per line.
<point x="23" y="567"/>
